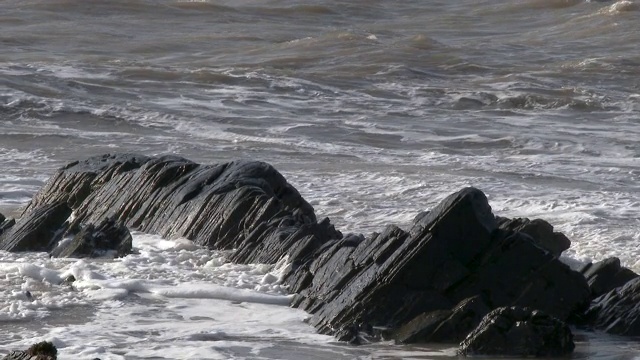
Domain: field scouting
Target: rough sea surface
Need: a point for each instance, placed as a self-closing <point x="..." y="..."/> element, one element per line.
<point x="375" y="110"/>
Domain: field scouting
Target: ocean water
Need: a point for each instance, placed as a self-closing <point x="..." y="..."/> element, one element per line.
<point x="374" y="110"/>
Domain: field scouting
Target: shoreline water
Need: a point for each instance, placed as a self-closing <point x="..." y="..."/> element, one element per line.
<point x="108" y="286"/>
<point x="375" y="112"/>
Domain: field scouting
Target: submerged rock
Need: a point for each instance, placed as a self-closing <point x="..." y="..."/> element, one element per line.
<point x="516" y="331"/>
<point x="41" y="351"/>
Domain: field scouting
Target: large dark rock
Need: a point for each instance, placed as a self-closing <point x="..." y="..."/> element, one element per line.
<point x="454" y="252"/>
<point x="431" y="283"/>
<point x="540" y="231"/>
<point x="606" y="275"/>
<point x="516" y="331"/>
<point x="618" y="311"/>
<point x="108" y="237"/>
<point x="40" y="351"/>
<point x="242" y="205"/>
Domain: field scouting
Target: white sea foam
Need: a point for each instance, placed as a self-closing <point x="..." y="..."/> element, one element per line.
<point x="170" y="298"/>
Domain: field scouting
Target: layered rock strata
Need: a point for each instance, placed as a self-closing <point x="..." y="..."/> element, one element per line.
<point x="242" y="205"/>
<point x="451" y="254"/>
<point x="435" y="281"/>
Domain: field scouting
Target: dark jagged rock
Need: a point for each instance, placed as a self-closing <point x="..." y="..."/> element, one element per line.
<point x="452" y="253"/>
<point x="69" y="280"/>
<point x="107" y="237"/>
<point x="5" y="224"/>
<point x="441" y="276"/>
<point x="540" y="231"/>
<point x="618" y="311"/>
<point x="448" y="326"/>
<point x="38" y="230"/>
<point x="243" y="205"/>
<point x="516" y="331"/>
<point x="606" y="275"/>
<point x="40" y="351"/>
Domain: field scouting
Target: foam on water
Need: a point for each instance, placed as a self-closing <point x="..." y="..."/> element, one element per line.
<point x="374" y="111"/>
<point x="171" y="299"/>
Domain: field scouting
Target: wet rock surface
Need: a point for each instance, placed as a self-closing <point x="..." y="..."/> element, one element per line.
<point x="37" y="230"/>
<point x="5" y="223"/>
<point x="618" y="311"/>
<point x="454" y="252"/>
<point x="109" y="237"/>
<point x="40" y="351"/>
<point x="444" y="326"/>
<point x="517" y="331"/>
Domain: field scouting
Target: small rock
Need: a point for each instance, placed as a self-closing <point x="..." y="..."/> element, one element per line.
<point x="540" y="231"/>
<point x="68" y="280"/>
<point x="606" y="275"/>
<point x="97" y="240"/>
<point x="41" y="351"/>
<point x="521" y="332"/>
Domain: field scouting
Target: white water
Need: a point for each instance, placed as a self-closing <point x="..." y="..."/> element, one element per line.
<point x="175" y="300"/>
<point x="170" y="300"/>
<point x="374" y="110"/>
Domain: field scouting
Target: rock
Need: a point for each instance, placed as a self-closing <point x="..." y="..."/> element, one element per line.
<point x="69" y="280"/>
<point x="430" y="283"/>
<point x="606" y="275"/>
<point x="40" y="351"/>
<point x="618" y="311"/>
<point x="242" y="205"/>
<point x="521" y="332"/>
<point x="448" y="326"/>
<point x="540" y="231"/>
<point x="38" y="230"/>
<point x="421" y="328"/>
<point x="107" y="237"/>
<point x="453" y="252"/>
<point x="6" y="224"/>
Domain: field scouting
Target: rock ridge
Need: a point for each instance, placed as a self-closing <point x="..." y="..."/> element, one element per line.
<point x="436" y="281"/>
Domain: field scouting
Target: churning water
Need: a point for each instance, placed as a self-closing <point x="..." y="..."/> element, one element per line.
<point x="374" y="110"/>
